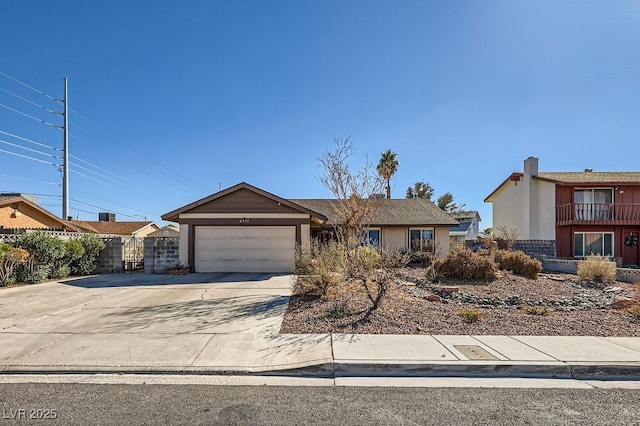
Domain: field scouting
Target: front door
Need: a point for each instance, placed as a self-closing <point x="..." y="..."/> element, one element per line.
<point x="630" y="248"/>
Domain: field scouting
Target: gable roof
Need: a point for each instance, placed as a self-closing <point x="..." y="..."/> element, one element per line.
<point x="402" y="212"/>
<point x="112" y="228"/>
<point x="12" y="199"/>
<point x="467" y="214"/>
<point x="574" y="178"/>
<point x="173" y="215"/>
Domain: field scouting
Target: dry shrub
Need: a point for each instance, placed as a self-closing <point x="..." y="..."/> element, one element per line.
<point x="319" y="266"/>
<point x="519" y="263"/>
<point x="470" y="315"/>
<point x="463" y="264"/>
<point x="635" y="308"/>
<point x="537" y="310"/>
<point x="598" y="269"/>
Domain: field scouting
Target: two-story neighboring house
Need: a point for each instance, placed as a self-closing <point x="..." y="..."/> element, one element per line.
<point x="467" y="229"/>
<point x="582" y="212"/>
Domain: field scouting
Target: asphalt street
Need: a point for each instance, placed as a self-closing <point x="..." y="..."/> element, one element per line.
<point x="81" y="404"/>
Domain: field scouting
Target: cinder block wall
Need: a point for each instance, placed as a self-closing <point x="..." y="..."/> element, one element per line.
<point x="537" y="248"/>
<point x="110" y="259"/>
<point x="160" y="253"/>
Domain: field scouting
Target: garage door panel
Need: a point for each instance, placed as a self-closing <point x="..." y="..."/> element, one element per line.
<point x="244" y="248"/>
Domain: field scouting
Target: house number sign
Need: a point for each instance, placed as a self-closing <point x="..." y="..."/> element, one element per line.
<point x="244" y="221"/>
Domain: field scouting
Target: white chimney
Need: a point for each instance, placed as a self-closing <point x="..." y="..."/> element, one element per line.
<point x="531" y="167"/>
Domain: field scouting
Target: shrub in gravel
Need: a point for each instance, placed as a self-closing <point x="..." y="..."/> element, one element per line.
<point x="319" y="265"/>
<point x="537" y="310"/>
<point x="598" y="269"/>
<point x="635" y="308"/>
<point x="519" y="263"/>
<point x="470" y="315"/>
<point x="463" y="264"/>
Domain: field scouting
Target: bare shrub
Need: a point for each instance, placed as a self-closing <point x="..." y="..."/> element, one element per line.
<point x="519" y="263"/>
<point x="319" y="266"/>
<point x="598" y="269"/>
<point x="537" y="310"/>
<point x="635" y="308"/>
<point x="466" y="265"/>
<point x="506" y="237"/>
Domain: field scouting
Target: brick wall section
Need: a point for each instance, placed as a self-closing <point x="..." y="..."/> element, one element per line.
<point x="570" y="266"/>
<point x="160" y="253"/>
<point x="110" y="259"/>
<point x="537" y="248"/>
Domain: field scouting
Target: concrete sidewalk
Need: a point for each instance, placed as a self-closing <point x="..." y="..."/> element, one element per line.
<point x="221" y="324"/>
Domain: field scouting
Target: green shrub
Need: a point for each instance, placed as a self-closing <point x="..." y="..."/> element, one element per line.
<point x="60" y="271"/>
<point x="470" y="315"/>
<point x="32" y="272"/>
<point x="598" y="269"/>
<point x="519" y="263"/>
<point x="10" y="259"/>
<point x="86" y="263"/>
<point x="464" y="264"/>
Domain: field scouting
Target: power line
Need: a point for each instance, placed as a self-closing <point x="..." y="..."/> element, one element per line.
<point x="28" y="101"/>
<point x="30" y="116"/>
<point x="29" y="158"/>
<point x="96" y="173"/>
<point x="29" y="140"/>
<point x="30" y="87"/>
<point x="100" y="208"/>
<point x="28" y="149"/>
<point x="93" y="165"/>
<point x="32" y="180"/>
<point x="92" y="178"/>
<point x="112" y="202"/>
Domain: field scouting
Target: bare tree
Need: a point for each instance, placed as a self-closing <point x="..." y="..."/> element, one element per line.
<point x="355" y="203"/>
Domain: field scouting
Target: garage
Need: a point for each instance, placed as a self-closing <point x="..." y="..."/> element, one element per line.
<point x="242" y="229"/>
<point x="244" y="248"/>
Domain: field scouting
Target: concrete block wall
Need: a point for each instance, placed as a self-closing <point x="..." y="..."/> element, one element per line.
<point x="160" y="253"/>
<point x="570" y="266"/>
<point x="110" y="259"/>
<point x="537" y="248"/>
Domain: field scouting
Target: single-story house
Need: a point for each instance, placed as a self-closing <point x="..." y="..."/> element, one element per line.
<point x="19" y="211"/>
<point x="468" y="227"/>
<point x="112" y="228"/>
<point x="166" y="231"/>
<point x="246" y="229"/>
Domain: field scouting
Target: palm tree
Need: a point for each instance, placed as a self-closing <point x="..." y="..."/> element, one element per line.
<point x="387" y="167"/>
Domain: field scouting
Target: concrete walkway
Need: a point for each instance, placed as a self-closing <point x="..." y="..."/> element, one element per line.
<point x="229" y="324"/>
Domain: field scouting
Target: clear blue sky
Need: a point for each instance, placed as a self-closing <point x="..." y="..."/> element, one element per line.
<point x="172" y="99"/>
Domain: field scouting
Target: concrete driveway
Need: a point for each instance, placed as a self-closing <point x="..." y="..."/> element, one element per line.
<point x="143" y="323"/>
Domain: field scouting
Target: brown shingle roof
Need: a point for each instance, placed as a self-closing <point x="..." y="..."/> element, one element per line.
<point x="111" y="228"/>
<point x="406" y="212"/>
<point x="592" y="177"/>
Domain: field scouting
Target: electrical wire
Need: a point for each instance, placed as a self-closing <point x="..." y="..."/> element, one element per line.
<point x="32" y="103"/>
<point x="32" y="180"/>
<point x="30" y="116"/>
<point x="112" y="202"/>
<point x="28" y="149"/>
<point x="29" y="158"/>
<point x="100" y="208"/>
<point x="96" y="173"/>
<point x="29" y="140"/>
<point x="30" y="87"/>
<point x="93" y="165"/>
<point x="92" y="178"/>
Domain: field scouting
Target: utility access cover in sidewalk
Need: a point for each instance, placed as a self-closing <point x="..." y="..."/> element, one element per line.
<point x="474" y="352"/>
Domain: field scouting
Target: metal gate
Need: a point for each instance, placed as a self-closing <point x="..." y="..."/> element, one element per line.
<point x="133" y="254"/>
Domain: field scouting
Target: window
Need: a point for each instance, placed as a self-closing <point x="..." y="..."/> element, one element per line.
<point x="593" y="203"/>
<point x="421" y="239"/>
<point x="371" y="237"/>
<point x="592" y="243"/>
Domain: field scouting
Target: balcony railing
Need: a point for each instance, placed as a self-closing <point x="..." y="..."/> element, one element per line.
<point x="598" y="214"/>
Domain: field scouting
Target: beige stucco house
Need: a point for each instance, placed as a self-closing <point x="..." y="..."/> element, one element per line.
<point x="246" y="229"/>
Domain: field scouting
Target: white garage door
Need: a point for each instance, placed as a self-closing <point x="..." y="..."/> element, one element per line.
<point x="244" y="248"/>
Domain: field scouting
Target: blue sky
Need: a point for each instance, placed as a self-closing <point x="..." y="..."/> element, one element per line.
<point x="172" y="99"/>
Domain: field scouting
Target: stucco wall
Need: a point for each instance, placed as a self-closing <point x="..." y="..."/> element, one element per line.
<point x="394" y="237"/>
<point x="305" y="234"/>
<point x="508" y="208"/>
<point x="442" y="240"/>
<point x="543" y="211"/>
<point x="184" y="245"/>
<point x="26" y="218"/>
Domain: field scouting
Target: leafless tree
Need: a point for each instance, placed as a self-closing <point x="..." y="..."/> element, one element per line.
<point x="355" y="192"/>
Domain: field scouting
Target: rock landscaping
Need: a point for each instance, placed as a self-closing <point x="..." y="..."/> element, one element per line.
<point x="552" y="304"/>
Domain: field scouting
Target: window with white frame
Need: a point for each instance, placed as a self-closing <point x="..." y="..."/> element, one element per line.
<point x="371" y="237"/>
<point x="421" y="239"/>
<point x="592" y="243"/>
<point x="593" y="203"/>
